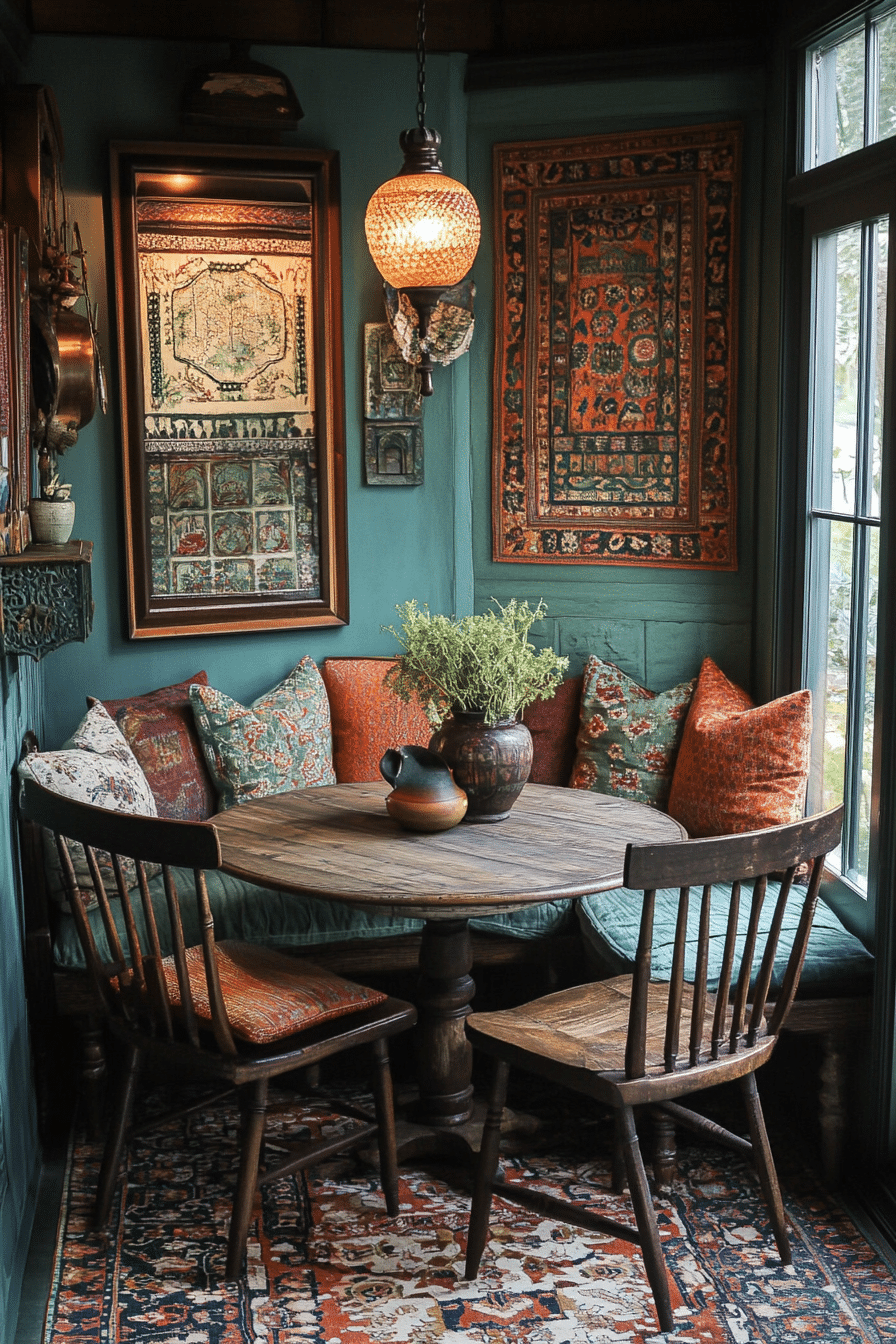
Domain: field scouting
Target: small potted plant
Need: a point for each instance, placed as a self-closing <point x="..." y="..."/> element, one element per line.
<point x="53" y="514"/>
<point x="473" y="677"/>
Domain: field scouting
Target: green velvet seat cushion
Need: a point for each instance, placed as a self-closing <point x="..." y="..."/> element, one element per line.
<point x="836" y="962"/>
<point x="279" y="919"/>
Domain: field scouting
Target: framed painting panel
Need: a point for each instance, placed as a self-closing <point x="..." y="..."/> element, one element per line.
<point x="230" y="350"/>
<point x="615" y="371"/>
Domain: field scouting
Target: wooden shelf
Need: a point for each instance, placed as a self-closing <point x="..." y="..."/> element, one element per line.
<point x="45" y="598"/>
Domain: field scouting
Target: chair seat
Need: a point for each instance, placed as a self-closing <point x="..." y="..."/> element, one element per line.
<point x="586" y="1027"/>
<point x="269" y="995"/>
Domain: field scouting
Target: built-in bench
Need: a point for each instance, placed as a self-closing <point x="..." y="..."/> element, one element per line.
<point x="539" y="948"/>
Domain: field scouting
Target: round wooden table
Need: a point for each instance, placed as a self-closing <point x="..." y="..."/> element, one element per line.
<point x="338" y="842"/>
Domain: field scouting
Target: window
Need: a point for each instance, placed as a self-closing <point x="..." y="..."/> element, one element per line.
<point x="846" y="195"/>
<point x="849" y="322"/>
<point x="851" y="98"/>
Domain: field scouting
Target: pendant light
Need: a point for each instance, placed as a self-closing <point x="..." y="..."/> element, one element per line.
<point x="422" y="227"/>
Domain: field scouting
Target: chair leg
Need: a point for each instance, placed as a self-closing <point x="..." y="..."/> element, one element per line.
<point x="480" y="1207"/>
<point x="253" y="1109"/>
<point x="385" y="1122"/>
<point x="121" y="1119"/>
<point x="645" y="1217"/>
<point x="765" y="1165"/>
<point x="617" y="1170"/>
<point x="665" y="1148"/>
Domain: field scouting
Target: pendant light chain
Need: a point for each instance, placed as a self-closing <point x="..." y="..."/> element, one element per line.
<point x="421" y="64"/>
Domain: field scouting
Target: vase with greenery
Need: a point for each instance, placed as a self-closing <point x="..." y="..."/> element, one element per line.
<point x="473" y="676"/>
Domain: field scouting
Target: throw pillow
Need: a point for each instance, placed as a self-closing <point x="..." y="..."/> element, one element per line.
<point x="278" y="743"/>
<point x="628" y="736"/>
<point x="553" y="724"/>
<point x="96" y="766"/>
<point x="740" y="766"/>
<point x="160" y="730"/>
<point x="367" y="718"/>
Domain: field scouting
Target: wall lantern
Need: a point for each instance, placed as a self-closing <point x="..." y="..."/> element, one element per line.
<point x="422" y="227"/>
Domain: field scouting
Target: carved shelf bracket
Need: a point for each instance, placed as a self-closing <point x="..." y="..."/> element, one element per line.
<point x="45" y="598"/>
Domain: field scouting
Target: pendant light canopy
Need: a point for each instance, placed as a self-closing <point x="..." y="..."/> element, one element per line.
<point x="422" y="227"/>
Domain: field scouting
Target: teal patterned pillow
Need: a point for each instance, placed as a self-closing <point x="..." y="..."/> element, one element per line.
<point x="278" y="743"/>
<point x="628" y="736"/>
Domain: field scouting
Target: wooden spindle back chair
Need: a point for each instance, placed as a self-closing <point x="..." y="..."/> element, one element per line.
<point x="630" y="1041"/>
<point x="229" y="1013"/>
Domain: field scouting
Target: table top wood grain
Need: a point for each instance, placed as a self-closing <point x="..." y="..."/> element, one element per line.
<point x="339" y="842"/>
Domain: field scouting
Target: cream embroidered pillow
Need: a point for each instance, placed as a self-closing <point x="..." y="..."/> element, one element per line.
<point x="96" y="766"/>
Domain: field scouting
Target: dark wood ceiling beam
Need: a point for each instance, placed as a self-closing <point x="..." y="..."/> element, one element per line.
<point x="487" y="27"/>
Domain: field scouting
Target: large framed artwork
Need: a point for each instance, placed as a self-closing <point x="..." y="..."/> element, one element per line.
<point x="230" y="349"/>
<point x="616" y="338"/>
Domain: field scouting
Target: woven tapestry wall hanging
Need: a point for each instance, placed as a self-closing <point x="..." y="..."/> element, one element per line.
<point x="616" y="310"/>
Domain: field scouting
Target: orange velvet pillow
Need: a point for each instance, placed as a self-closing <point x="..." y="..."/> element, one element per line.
<point x="367" y="719"/>
<point x="740" y="767"/>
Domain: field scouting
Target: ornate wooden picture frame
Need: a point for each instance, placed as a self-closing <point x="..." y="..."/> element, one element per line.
<point x="230" y="350"/>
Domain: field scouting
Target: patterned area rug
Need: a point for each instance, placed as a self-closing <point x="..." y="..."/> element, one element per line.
<point x="326" y="1265"/>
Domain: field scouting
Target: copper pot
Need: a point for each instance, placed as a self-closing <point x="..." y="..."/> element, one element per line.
<point x="76" y="363"/>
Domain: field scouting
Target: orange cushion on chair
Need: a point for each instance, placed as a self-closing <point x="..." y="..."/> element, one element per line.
<point x="367" y="719"/>
<point x="740" y="766"/>
<point x="269" y="995"/>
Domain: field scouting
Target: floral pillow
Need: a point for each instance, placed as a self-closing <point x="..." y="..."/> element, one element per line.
<point x="628" y="736"/>
<point x="741" y="766"/>
<point x="96" y="766"/>
<point x="282" y="741"/>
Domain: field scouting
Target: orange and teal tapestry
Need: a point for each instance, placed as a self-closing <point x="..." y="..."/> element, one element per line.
<point x="616" y="313"/>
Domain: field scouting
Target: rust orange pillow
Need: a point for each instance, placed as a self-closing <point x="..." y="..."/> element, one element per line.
<point x="367" y="719"/>
<point x="740" y="766"/>
<point x="553" y="724"/>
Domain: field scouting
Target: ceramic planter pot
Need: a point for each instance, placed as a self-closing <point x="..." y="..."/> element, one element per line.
<point x="52" y="520"/>
<point x="491" y="765"/>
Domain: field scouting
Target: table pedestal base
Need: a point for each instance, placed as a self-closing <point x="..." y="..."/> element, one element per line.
<point x="444" y="995"/>
<point x="417" y="1141"/>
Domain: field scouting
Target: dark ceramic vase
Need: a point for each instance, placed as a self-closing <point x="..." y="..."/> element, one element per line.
<point x="424" y="797"/>
<point x="491" y="765"/>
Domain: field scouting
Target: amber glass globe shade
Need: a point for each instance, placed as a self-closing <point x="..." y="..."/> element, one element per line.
<point x="422" y="230"/>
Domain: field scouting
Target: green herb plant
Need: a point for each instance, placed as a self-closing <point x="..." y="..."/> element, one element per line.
<point x="477" y="664"/>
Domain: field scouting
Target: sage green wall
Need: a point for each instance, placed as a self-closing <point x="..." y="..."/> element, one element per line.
<point x="657" y="624"/>
<point x="20" y="688"/>
<point x="403" y="542"/>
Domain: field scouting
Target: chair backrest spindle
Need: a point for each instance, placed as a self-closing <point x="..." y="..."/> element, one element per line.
<point x="701" y="969"/>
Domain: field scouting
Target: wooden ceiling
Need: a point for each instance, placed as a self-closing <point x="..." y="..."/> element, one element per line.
<point x="489" y="28"/>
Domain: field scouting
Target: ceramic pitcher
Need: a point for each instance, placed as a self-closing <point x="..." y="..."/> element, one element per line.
<point x="424" y="795"/>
